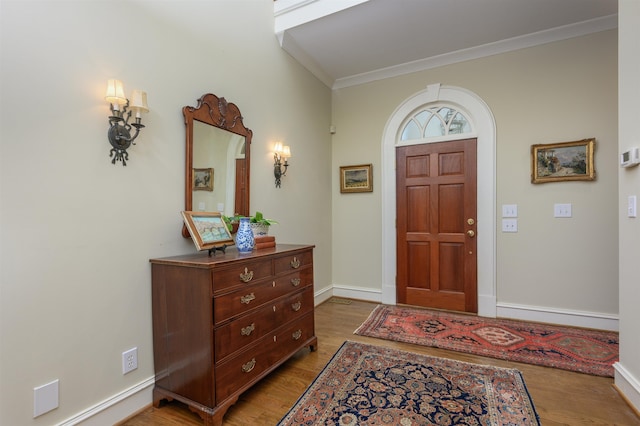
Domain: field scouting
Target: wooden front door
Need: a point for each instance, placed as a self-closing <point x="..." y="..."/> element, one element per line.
<point x="241" y="200"/>
<point x="436" y="225"/>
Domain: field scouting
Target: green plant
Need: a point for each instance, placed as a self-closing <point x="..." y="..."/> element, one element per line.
<point x="257" y="218"/>
<point x="229" y="220"/>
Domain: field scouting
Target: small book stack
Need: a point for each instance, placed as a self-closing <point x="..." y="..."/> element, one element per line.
<point x="264" y="241"/>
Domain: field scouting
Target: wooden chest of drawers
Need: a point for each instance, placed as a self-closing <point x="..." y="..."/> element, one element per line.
<point x="222" y="323"/>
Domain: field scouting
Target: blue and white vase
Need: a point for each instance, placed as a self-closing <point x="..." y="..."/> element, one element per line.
<point x="244" y="236"/>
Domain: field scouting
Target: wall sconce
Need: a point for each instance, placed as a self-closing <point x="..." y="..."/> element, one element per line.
<point x="280" y="153"/>
<point x="119" y="128"/>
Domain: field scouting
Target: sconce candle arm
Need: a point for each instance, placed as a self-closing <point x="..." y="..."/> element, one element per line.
<point x="124" y="116"/>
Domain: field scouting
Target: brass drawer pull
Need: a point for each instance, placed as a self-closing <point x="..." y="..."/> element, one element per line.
<point x="297" y="334"/>
<point x="248" y="298"/>
<point x="295" y="263"/>
<point x="295" y="282"/>
<point x="246" y="331"/>
<point x="246" y="276"/>
<point x="296" y="306"/>
<point x="249" y="366"/>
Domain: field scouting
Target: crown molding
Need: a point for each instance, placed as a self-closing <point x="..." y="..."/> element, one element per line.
<point x="508" y="45"/>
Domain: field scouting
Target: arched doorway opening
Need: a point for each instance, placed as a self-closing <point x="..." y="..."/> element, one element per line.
<point x="483" y="128"/>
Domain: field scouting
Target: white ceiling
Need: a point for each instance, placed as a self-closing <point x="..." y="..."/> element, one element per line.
<point x="348" y="42"/>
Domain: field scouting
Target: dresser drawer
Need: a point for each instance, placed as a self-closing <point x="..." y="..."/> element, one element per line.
<point x="241" y="274"/>
<point x="253" y="326"/>
<point x="290" y="337"/>
<point x="242" y="369"/>
<point x="296" y="280"/>
<point x="245" y="299"/>
<point x="294" y="307"/>
<point x="248" y="365"/>
<point x="293" y="262"/>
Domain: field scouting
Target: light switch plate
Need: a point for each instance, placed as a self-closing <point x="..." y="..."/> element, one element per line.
<point x="631" y="206"/>
<point x="509" y="210"/>
<point x="562" y="210"/>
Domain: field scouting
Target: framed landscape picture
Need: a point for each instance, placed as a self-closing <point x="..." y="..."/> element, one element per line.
<point x="207" y="229"/>
<point x="564" y="161"/>
<point x="356" y="178"/>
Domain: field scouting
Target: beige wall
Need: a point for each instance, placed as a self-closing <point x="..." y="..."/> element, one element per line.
<point x="563" y="91"/>
<point x="77" y="231"/>
<point x="628" y="371"/>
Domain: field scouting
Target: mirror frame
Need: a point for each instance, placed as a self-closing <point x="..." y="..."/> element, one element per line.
<point x="219" y="113"/>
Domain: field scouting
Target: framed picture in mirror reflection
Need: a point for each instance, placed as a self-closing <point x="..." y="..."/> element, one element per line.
<point x="203" y="179"/>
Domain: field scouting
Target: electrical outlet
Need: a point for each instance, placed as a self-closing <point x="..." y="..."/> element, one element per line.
<point x="509" y="225"/>
<point x="129" y="360"/>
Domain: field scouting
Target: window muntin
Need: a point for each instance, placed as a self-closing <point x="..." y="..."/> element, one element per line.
<point x="436" y="121"/>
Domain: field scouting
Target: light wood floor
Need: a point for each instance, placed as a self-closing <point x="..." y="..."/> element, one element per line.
<point x="560" y="397"/>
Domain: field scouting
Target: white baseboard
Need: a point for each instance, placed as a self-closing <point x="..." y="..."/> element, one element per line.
<point x="116" y="408"/>
<point x="558" y="316"/>
<point x="627" y="385"/>
<point x="487" y="306"/>
<point x="360" y="293"/>
<point x="322" y="295"/>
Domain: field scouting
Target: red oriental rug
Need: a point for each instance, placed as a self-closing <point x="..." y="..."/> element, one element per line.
<point x="576" y="349"/>
<point x="372" y="385"/>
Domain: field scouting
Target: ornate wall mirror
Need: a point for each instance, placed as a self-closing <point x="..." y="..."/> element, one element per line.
<point x="218" y="158"/>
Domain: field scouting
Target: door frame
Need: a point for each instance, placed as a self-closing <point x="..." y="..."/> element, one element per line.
<point x="483" y="129"/>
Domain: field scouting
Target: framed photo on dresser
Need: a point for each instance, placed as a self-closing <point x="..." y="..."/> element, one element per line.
<point x="207" y="229"/>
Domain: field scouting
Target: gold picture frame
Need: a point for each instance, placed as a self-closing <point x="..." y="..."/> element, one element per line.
<point x="202" y="179"/>
<point x="357" y="178"/>
<point x="565" y="161"/>
<point x="207" y="229"/>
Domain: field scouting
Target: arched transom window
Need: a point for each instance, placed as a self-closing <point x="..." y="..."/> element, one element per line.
<point x="435" y="121"/>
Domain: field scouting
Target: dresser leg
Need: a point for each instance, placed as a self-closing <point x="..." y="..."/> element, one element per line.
<point x="213" y="420"/>
<point x="158" y="397"/>
<point x="313" y="345"/>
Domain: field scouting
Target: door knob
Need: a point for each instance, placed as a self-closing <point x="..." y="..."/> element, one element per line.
<point x="470" y="233"/>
